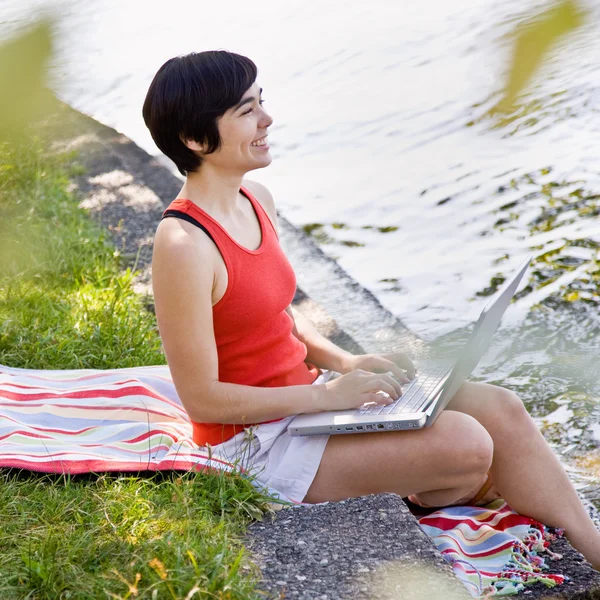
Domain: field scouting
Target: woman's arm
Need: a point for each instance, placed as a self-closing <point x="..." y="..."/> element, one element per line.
<point x="320" y="351"/>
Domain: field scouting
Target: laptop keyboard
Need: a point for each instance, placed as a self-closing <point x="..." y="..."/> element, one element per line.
<point x="415" y="395"/>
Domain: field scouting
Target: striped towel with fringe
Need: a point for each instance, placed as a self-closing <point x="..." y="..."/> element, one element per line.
<point x="92" y="421"/>
<point x="493" y="550"/>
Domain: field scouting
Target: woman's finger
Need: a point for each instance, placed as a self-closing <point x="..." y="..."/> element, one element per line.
<point x="393" y="382"/>
<point x="381" y="398"/>
<point x="385" y="386"/>
<point x="402" y="360"/>
<point x="397" y="375"/>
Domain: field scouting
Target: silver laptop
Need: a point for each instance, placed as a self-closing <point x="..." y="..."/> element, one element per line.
<point x="426" y="396"/>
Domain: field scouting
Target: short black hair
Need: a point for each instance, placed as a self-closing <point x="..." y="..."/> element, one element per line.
<point x="187" y="96"/>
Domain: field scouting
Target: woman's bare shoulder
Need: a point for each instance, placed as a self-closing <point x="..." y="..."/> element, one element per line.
<point x="176" y="235"/>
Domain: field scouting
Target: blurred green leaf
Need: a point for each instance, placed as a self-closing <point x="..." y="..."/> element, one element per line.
<point x="24" y="96"/>
<point x="534" y="39"/>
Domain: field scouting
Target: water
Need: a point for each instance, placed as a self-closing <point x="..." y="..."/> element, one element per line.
<point x="382" y="151"/>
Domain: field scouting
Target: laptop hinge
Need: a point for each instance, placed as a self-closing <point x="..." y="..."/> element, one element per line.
<point x="428" y="409"/>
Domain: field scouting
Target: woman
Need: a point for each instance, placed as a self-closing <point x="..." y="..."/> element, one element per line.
<point x="240" y="355"/>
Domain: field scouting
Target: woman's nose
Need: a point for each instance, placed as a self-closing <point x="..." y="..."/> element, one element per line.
<point x="266" y="120"/>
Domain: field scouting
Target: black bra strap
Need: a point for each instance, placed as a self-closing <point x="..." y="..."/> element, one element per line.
<point x="186" y="217"/>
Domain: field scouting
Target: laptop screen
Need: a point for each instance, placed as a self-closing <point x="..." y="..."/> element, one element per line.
<point x="479" y="340"/>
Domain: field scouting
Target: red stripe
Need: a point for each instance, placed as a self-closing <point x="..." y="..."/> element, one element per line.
<point x="479" y="515"/>
<point x="83" y="444"/>
<point x="192" y="459"/>
<point x="4" y="460"/>
<point x="26" y="433"/>
<point x="134" y="390"/>
<point x="85" y="447"/>
<point x="61" y="431"/>
<point x="446" y="524"/>
<point x="108" y="384"/>
<point x="154" y="431"/>
<point x="150" y="450"/>
<point x="100" y="466"/>
<point x="148" y="434"/>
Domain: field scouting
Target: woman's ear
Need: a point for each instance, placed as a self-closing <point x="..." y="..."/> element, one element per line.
<point x="193" y="145"/>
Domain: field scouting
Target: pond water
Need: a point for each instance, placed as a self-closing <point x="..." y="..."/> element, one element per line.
<point x="383" y="153"/>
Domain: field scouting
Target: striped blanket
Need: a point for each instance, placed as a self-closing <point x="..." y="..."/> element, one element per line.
<point x="493" y="550"/>
<point x="80" y="421"/>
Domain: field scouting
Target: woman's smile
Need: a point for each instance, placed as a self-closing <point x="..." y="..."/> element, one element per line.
<point x="261" y="143"/>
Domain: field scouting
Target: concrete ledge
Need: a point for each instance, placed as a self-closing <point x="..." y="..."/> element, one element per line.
<point x="358" y="549"/>
<point x="126" y="190"/>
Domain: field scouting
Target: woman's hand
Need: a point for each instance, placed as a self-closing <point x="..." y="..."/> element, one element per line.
<point x="366" y="379"/>
<point x="356" y="388"/>
<point x="397" y="363"/>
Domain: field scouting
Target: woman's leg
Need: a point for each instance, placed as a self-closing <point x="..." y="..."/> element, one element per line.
<point x="526" y="472"/>
<point x="451" y="457"/>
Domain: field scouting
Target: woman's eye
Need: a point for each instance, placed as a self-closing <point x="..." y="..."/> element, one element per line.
<point x="247" y="112"/>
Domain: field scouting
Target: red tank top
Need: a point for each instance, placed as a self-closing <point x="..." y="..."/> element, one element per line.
<point x="253" y="333"/>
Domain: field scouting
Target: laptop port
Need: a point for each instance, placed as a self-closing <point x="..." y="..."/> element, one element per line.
<point x="369" y="426"/>
<point x="381" y="426"/>
<point x="359" y="427"/>
<point x="349" y="428"/>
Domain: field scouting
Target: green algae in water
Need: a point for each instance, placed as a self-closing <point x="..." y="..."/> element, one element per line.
<point x="326" y="234"/>
<point x="558" y="205"/>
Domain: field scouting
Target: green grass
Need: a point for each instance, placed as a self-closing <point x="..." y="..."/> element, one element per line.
<point x="66" y="302"/>
<point x="122" y="536"/>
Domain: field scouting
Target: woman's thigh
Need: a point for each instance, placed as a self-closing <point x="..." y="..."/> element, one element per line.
<point x="456" y="450"/>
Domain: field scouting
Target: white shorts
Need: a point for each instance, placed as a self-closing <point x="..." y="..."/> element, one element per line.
<point x="283" y="463"/>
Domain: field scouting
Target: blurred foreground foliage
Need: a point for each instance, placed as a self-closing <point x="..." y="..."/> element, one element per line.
<point x="534" y="38"/>
<point x="24" y="96"/>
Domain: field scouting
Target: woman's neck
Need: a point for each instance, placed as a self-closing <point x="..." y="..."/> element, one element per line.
<point x="218" y="194"/>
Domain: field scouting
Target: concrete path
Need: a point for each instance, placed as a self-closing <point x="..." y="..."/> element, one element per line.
<point x="368" y="547"/>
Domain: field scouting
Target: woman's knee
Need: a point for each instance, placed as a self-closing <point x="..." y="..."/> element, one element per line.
<point x="496" y="408"/>
<point x="505" y="407"/>
<point x="467" y="445"/>
<point x="511" y="405"/>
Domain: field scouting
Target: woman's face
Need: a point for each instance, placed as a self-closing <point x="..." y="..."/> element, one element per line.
<point x="243" y="131"/>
